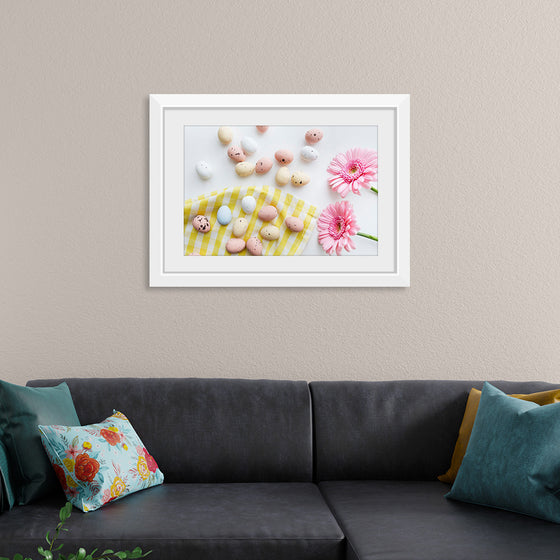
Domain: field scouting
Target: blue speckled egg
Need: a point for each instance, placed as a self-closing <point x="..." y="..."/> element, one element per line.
<point x="224" y="215"/>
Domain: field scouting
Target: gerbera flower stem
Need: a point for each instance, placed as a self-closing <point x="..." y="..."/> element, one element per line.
<point x="367" y="235"/>
<point x="374" y="190"/>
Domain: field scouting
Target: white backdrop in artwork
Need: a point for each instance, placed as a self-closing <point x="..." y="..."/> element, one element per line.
<point x="201" y="143"/>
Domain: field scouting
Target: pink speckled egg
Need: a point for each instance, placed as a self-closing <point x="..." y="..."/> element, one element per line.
<point x="268" y="213"/>
<point x="254" y="246"/>
<point x="235" y="245"/>
<point x="284" y="157"/>
<point x="201" y="224"/>
<point x="313" y="136"/>
<point x="264" y="165"/>
<point x="294" y="224"/>
<point x="262" y="129"/>
<point x="236" y="154"/>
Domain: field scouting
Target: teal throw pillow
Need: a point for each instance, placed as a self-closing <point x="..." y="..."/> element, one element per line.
<point x="21" y="410"/>
<point x="513" y="457"/>
<point x="7" y="498"/>
<point x="100" y="463"/>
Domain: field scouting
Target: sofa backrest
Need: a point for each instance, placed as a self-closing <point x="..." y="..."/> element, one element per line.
<point x="400" y="430"/>
<point x="208" y="430"/>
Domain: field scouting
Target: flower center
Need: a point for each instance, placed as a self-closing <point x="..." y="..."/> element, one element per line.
<point x="337" y="229"/>
<point x="354" y="170"/>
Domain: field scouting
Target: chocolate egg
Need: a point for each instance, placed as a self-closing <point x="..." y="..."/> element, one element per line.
<point x="240" y="227"/>
<point x="235" y="153"/>
<point x="224" y="215"/>
<point x="283" y="176"/>
<point x="254" y="246"/>
<point x="299" y="179"/>
<point x="294" y="224"/>
<point x="262" y="129"/>
<point x="284" y="157"/>
<point x="268" y="213"/>
<point x="264" y="165"/>
<point x="248" y="203"/>
<point x="313" y="136"/>
<point x="244" y="168"/>
<point x="225" y="134"/>
<point x="270" y="233"/>
<point x="204" y="170"/>
<point x="201" y="224"/>
<point x="235" y="245"/>
<point x="249" y="145"/>
<point x="309" y="154"/>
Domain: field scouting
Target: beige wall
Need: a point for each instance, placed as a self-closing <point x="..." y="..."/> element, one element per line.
<point x="484" y="80"/>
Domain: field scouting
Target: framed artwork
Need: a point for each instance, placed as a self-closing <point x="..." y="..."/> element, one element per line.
<point x="279" y="190"/>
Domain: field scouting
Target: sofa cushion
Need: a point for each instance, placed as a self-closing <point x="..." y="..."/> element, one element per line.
<point x="399" y="430"/>
<point x="276" y="521"/>
<point x="513" y="457"/>
<point x="100" y="463"/>
<point x="410" y="520"/>
<point x="209" y="430"/>
<point x="21" y="410"/>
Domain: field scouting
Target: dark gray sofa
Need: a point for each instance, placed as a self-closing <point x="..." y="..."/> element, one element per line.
<point x="285" y="470"/>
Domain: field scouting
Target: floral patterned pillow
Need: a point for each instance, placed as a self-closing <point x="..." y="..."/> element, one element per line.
<point x="99" y="463"/>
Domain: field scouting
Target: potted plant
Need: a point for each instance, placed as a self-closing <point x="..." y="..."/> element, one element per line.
<point x="53" y="553"/>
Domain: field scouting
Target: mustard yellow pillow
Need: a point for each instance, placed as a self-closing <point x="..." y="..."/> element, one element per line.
<point x="541" y="398"/>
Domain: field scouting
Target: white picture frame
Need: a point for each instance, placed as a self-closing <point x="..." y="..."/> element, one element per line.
<point x="170" y="113"/>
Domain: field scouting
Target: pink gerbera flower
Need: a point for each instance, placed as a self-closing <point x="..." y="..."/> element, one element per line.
<point x="336" y="225"/>
<point x="353" y="169"/>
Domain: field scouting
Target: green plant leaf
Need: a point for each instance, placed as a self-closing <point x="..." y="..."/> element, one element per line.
<point x="104" y="553"/>
<point x="58" y="547"/>
<point x="121" y="555"/>
<point x="4" y="558"/>
<point x="18" y="557"/>
<point x="47" y="537"/>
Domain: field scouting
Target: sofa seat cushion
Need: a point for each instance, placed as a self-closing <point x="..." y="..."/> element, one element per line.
<point x="192" y="521"/>
<point x="411" y="520"/>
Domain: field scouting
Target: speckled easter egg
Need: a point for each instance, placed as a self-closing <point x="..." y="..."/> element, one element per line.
<point x="204" y="170"/>
<point x="268" y="213"/>
<point x="254" y="246"/>
<point x="235" y="245"/>
<point x="224" y="215"/>
<point x="244" y="168"/>
<point x="264" y="165"/>
<point x="201" y="224"/>
<point x="240" y="227"/>
<point x="235" y="153"/>
<point x="270" y="233"/>
<point x="262" y="129"/>
<point x="309" y="154"/>
<point x="294" y="224"/>
<point x="225" y="134"/>
<point x="299" y="179"/>
<point x="249" y="145"/>
<point x="284" y="157"/>
<point x="313" y="136"/>
<point x="248" y="203"/>
<point x="283" y="176"/>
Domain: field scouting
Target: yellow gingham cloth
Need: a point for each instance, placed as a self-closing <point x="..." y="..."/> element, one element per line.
<point x="214" y="242"/>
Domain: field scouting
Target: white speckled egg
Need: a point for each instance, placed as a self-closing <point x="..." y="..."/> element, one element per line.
<point x="254" y="246"/>
<point x="224" y="215"/>
<point x="309" y="154"/>
<point x="249" y="145"/>
<point x="204" y="170"/>
<point x="248" y="204"/>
